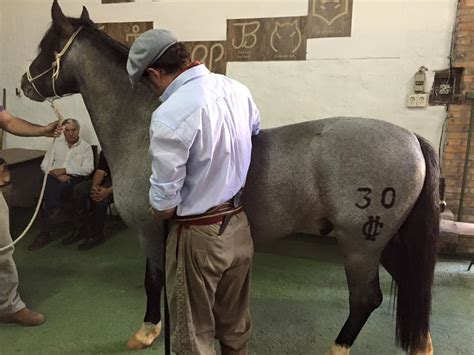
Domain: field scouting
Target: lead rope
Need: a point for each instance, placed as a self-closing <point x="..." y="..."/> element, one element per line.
<point x="50" y="163"/>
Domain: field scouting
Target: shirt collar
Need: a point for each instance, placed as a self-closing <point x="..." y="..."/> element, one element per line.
<point x="183" y="78"/>
<point x="74" y="145"/>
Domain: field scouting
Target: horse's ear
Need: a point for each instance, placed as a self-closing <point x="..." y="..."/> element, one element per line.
<point x="85" y="14"/>
<point x="60" y="22"/>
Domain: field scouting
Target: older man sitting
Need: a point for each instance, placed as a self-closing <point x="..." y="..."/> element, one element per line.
<point x="72" y="163"/>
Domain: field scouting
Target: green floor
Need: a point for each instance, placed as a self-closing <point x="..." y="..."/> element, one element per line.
<point x="94" y="300"/>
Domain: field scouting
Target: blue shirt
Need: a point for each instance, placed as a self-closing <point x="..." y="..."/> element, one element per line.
<point x="200" y="141"/>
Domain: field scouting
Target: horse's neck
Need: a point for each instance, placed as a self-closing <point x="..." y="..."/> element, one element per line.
<point x="120" y="115"/>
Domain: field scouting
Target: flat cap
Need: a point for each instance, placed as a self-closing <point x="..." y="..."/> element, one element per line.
<point x="146" y="50"/>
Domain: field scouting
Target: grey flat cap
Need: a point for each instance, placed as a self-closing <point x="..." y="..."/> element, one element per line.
<point x="146" y="50"/>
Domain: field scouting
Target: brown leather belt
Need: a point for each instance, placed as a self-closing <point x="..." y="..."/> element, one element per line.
<point x="219" y="214"/>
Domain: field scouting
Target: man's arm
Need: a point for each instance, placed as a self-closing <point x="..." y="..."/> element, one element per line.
<point x="169" y="158"/>
<point x="98" y="177"/>
<point x="20" y="127"/>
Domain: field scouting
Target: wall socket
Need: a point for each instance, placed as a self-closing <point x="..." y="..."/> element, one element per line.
<point x="417" y="100"/>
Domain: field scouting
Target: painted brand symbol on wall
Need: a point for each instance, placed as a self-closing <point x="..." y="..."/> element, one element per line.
<point x="286" y="37"/>
<point x="249" y="39"/>
<point x="330" y="10"/>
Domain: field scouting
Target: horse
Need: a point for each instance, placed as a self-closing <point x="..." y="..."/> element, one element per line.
<point x="372" y="183"/>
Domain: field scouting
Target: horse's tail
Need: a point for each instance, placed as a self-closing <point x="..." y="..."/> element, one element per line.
<point x="415" y="254"/>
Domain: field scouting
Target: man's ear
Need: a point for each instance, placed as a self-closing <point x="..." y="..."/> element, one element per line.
<point x="154" y="72"/>
<point x="60" y="22"/>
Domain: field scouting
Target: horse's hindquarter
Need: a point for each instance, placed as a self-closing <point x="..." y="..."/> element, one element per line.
<point x="347" y="170"/>
<point x="373" y="174"/>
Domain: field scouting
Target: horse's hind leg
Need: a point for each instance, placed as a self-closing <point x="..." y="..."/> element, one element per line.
<point x="364" y="297"/>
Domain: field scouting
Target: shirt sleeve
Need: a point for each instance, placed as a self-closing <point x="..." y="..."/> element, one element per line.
<point x="169" y="157"/>
<point x="254" y="116"/>
<point x="81" y="162"/>
<point x="102" y="164"/>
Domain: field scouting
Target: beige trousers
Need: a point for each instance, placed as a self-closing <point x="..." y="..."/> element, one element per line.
<point x="10" y="301"/>
<point x="208" y="287"/>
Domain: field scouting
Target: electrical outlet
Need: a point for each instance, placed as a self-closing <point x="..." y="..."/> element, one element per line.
<point x="411" y="100"/>
<point x="417" y="100"/>
<point x="421" y="100"/>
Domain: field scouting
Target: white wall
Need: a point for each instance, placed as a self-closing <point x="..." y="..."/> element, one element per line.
<point x="368" y="74"/>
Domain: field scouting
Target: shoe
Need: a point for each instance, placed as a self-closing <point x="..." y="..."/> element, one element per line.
<point x="40" y="241"/>
<point x="145" y="336"/>
<point x="73" y="238"/>
<point x="90" y="243"/>
<point x="25" y="317"/>
<point x="57" y="216"/>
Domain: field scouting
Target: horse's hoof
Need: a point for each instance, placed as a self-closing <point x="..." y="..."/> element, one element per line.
<point x="337" y="349"/>
<point x="144" y="337"/>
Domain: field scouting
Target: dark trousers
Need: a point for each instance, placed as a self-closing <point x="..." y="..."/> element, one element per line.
<point x="90" y="216"/>
<point x="55" y="194"/>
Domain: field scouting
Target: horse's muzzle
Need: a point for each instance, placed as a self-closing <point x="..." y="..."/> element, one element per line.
<point x="29" y="91"/>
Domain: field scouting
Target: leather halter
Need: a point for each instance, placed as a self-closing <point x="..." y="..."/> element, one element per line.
<point x="55" y="67"/>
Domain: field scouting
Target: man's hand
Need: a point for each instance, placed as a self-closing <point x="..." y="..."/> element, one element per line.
<point x="99" y="193"/>
<point x="161" y="215"/>
<point x="57" y="172"/>
<point x="53" y="130"/>
<point x="63" y="178"/>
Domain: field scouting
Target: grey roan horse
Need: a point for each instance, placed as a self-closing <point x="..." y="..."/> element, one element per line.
<point x="373" y="183"/>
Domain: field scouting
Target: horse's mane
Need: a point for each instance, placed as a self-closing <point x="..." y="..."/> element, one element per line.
<point x="51" y="37"/>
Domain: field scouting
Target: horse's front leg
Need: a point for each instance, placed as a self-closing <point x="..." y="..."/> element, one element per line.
<point x="151" y="241"/>
<point x="151" y="327"/>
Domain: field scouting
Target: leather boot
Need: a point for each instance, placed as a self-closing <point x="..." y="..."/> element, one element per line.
<point x="40" y="241"/>
<point x="24" y="316"/>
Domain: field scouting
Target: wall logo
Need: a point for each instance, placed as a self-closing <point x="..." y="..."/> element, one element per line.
<point x="211" y="53"/>
<point x="330" y="10"/>
<point x="329" y="18"/>
<point x="286" y="38"/>
<point x="262" y="39"/>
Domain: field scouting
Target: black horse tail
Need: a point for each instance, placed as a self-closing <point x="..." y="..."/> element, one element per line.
<point x="415" y="258"/>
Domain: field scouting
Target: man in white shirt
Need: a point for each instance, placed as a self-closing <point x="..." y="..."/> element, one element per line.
<point x="200" y="143"/>
<point x="68" y="163"/>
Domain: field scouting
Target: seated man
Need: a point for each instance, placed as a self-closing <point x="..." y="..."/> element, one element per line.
<point x="91" y="199"/>
<point x="72" y="163"/>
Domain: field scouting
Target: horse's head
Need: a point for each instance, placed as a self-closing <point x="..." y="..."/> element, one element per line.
<point x="47" y="75"/>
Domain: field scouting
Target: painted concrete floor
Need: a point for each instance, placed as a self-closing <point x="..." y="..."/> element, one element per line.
<point x="94" y="301"/>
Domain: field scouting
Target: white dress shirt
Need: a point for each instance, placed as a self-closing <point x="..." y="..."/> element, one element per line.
<point x="200" y="141"/>
<point x="78" y="160"/>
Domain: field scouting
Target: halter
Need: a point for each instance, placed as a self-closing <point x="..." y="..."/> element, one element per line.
<point x="55" y="67"/>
